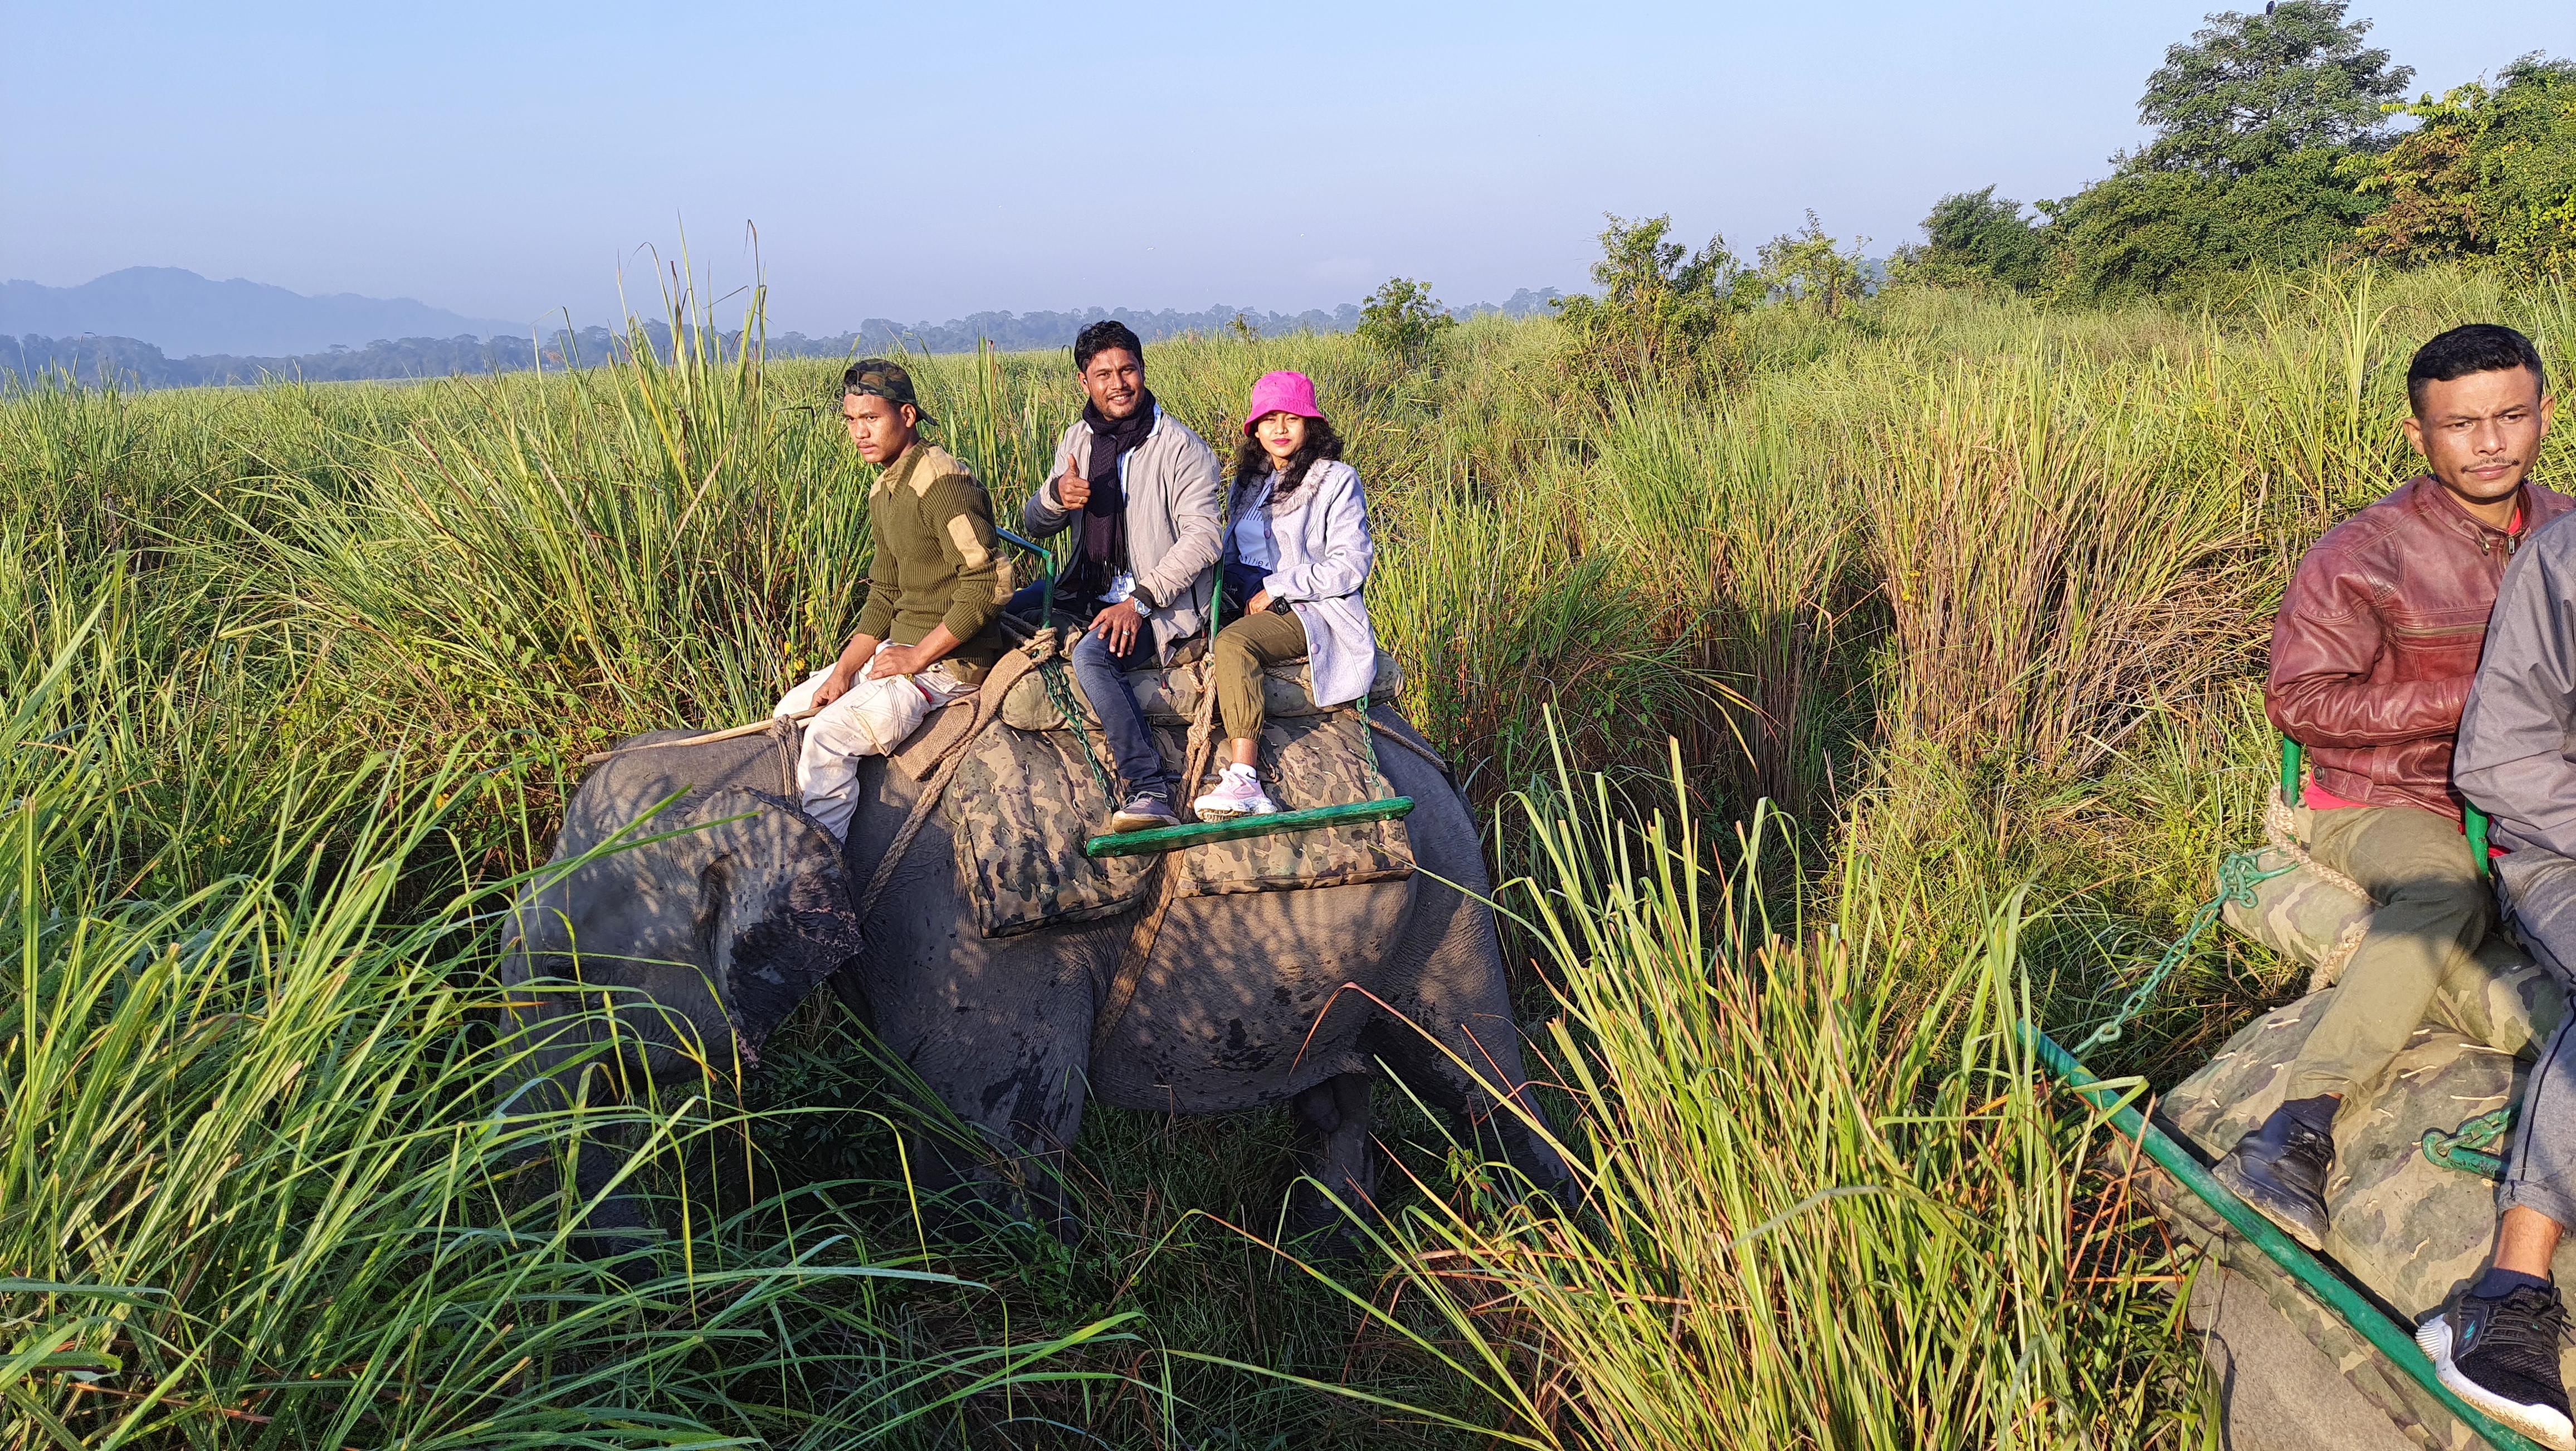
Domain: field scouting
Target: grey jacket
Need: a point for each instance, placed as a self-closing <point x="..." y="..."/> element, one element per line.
<point x="1173" y="533"/>
<point x="2519" y="730"/>
<point x="1321" y="542"/>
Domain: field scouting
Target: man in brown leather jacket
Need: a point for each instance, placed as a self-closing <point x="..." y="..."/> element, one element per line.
<point x="2372" y="658"/>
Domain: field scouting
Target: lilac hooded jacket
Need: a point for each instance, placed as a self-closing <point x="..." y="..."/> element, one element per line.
<point x="1320" y="541"/>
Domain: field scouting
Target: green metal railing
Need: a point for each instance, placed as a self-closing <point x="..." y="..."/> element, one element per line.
<point x="2330" y="1289"/>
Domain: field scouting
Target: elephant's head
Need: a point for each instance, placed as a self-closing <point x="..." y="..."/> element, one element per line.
<point x="718" y="930"/>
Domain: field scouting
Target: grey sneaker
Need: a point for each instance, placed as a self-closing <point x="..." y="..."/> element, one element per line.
<point x="1143" y="812"/>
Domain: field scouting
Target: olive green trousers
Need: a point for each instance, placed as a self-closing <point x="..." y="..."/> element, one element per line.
<point x="1243" y="650"/>
<point x="2434" y="911"/>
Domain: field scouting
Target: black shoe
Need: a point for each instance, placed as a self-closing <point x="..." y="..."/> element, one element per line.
<point x="1144" y="811"/>
<point x="2501" y="1356"/>
<point x="2280" y="1169"/>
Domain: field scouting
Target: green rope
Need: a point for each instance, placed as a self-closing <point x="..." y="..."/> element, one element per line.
<point x="2237" y="879"/>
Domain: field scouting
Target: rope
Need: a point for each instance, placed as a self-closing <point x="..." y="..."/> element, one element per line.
<point x="2237" y="878"/>
<point x="2280" y="826"/>
<point x="988" y="709"/>
<point x="1379" y="727"/>
<point x="1167" y="881"/>
<point x="758" y="727"/>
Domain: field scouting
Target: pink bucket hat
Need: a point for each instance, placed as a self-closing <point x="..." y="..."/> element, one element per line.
<point x="1281" y="392"/>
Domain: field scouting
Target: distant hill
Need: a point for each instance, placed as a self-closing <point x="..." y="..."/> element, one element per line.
<point x="132" y="361"/>
<point x="182" y="313"/>
<point x="1020" y="331"/>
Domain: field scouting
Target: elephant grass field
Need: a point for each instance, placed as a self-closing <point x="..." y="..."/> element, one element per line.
<point x="1823" y="719"/>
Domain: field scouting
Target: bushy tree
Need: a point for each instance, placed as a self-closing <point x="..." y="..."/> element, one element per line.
<point x="1662" y="308"/>
<point x="1402" y="318"/>
<point x="1808" y="266"/>
<point x="2138" y="233"/>
<point x="2251" y="91"/>
<point x="2256" y="119"/>
<point x="2487" y="172"/>
<point x="1977" y="235"/>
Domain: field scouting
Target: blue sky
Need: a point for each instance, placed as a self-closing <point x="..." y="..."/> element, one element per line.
<point x="919" y="162"/>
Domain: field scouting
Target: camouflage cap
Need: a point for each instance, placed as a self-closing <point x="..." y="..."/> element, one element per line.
<point x="879" y="378"/>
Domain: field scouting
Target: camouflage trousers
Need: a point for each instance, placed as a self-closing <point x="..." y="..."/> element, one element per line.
<point x="2537" y="890"/>
<point x="2433" y="912"/>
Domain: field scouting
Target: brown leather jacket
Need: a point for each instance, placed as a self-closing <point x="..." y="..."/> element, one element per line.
<point x="2378" y="640"/>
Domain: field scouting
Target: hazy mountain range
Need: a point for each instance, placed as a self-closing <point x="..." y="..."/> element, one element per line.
<point x="180" y="313"/>
<point x="167" y="327"/>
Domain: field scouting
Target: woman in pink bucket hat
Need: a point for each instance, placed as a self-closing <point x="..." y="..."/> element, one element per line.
<point x="1296" y="560"/>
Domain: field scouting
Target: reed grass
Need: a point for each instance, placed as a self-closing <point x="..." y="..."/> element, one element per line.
<point x="1971" y="594"/>
<point x="1803" y="1215"/>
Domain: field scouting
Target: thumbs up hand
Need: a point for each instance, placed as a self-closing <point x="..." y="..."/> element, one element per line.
<point x="1072" y="490"/>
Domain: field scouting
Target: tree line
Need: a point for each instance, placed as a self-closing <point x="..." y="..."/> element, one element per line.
<point x="133" y="363"/>
<point x="2276" y="147"/>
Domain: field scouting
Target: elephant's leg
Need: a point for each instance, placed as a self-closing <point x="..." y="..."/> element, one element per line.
<point x="1475" y="1097"/>
<point x="1458" y="1048"/>
<point x="1016" y="1073"/>
<point x="1336" y="1150"/>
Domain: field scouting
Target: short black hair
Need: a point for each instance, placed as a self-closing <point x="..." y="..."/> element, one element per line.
<point x="1100" y="337"/>
<point x="2478" y="347"/>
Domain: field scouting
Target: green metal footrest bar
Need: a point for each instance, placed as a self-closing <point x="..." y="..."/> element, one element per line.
<point x="2330" y="1289"/>
<point x="1172" y="838"/>
<point x="2465" y="1148"/>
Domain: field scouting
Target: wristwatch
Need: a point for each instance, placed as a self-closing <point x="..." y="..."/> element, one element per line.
<point x="1143" y="602"/>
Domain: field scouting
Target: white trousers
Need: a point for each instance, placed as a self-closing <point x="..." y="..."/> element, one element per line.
<point x="870" y="719"/>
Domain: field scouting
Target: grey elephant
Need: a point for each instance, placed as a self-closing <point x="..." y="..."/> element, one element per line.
<point x="705" y="941"/>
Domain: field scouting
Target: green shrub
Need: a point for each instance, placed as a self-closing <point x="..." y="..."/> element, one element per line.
<point x="1402" y="318"/>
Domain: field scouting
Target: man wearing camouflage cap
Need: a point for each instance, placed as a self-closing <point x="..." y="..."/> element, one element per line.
<point x="929" y="631"/>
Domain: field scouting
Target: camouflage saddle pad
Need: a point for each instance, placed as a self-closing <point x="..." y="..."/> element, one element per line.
<point x="1170" y="695"/>
<point x="1023" y="803"/>
<point x="2409" y="1230"/>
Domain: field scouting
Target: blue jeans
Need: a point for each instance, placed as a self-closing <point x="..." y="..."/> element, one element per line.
<point x="1104" y="683"/>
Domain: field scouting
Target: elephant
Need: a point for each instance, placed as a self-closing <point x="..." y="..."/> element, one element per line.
<point x="709" y="939"/>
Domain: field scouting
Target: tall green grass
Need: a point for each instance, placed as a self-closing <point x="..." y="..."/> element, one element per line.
<point x="1805" y="1212"/>
<point x="1972" y="594"/>
<point x="256" y="1183"/>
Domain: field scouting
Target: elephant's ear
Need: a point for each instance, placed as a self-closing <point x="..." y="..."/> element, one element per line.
<point x="788" y="920"/>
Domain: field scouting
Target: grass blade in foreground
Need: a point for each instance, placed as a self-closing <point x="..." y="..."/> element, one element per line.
<point x="1810" y="1209"/>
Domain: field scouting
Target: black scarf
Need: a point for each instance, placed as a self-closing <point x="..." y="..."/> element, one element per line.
<point x="1102" y="556"/>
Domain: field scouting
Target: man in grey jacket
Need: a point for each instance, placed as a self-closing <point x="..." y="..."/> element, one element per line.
<point x="2496" y="1342"/>
<point x="1140" y="490"/>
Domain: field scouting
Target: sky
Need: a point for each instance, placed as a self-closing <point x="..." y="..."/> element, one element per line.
<point x="921" y="162"/>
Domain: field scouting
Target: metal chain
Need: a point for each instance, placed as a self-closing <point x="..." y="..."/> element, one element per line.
<point x="2464" y="1148"/>
<point x="1060" y="691"/>
<point x="1368" y="746"/>
<point x="2237" y="879"/>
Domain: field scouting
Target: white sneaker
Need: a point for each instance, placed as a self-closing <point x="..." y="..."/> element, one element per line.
<point x="1238" y="793"/>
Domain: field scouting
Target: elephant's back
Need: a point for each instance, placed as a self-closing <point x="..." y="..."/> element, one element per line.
<point x="1247" y="999"/>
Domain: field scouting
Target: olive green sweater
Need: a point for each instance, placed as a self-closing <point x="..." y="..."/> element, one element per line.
<point x="937" y="559"/>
